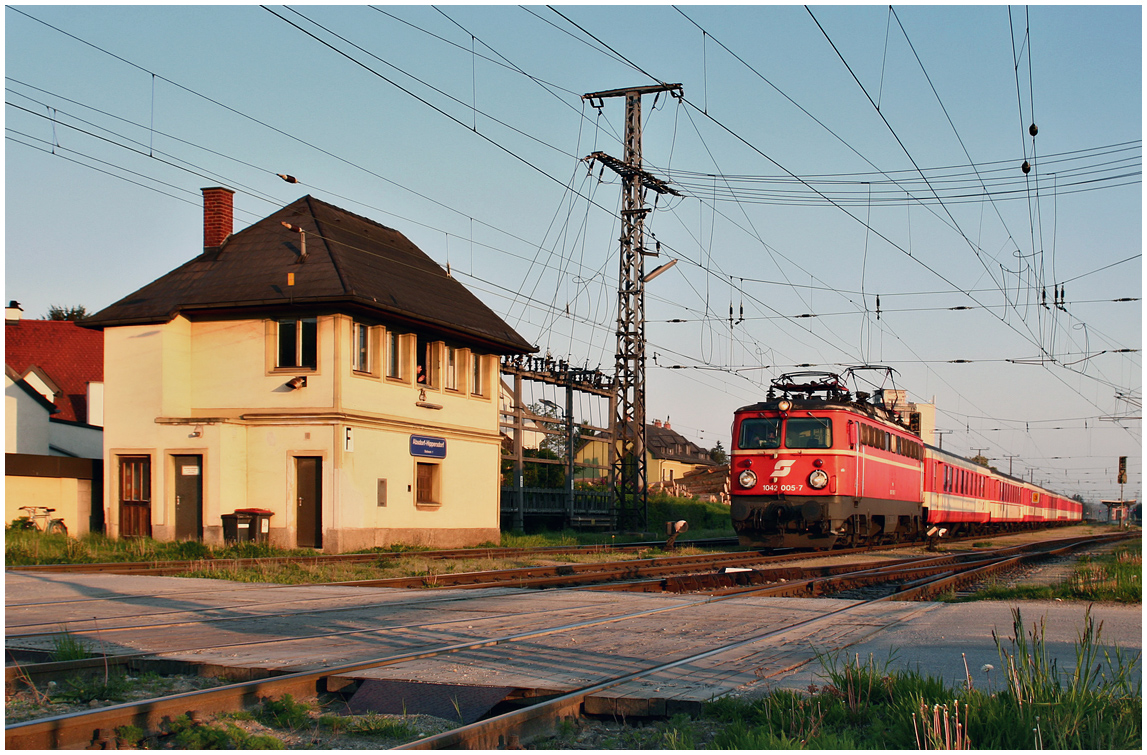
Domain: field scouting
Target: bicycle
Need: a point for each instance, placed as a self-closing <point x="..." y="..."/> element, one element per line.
<point x="40" y="518"/>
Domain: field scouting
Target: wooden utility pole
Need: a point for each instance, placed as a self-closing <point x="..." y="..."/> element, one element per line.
<point x="627" y="461"/>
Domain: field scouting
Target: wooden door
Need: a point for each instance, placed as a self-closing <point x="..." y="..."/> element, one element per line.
<point x="135" y="496"/>
<point x="188" y="497"/>
<point x="309" y="501"/>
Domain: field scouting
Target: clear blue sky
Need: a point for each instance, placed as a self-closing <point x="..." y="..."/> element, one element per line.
<point x="464" y="129"/>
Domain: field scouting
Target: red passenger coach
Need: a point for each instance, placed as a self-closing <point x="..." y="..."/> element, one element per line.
<point x="816" y="465"/>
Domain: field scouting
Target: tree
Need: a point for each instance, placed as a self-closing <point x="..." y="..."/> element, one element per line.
<point x="56" y="312"/>
<point x="981" y="460"/>
<point x="556" y="443"/>
<point x="717" y="455"/>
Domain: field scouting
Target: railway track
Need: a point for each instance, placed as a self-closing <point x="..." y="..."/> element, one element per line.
<point x="168" y="568"/>
<point x="917" y="577"/>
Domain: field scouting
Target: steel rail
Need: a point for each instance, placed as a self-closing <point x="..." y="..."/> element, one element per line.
<point x="565" y="574"/>
<point x="78" y="729"/>
<point x="56" y="669"/>
<point x="163" y="568"/>
<point x="506" y="731"/>
<point x="931" y="587"/>
<point x="501" y="732"/>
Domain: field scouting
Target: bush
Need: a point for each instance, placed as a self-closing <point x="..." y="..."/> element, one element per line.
<point x="701" y="515"/>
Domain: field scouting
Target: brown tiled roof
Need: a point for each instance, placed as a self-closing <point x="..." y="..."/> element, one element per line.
<point x="352" y="264"/>
<point x="68" y="354"/>
<point x="666" y="443"/>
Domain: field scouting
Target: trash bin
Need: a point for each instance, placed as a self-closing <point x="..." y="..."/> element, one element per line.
<point x="237" y="527"/>
<point x="260" y="525"/>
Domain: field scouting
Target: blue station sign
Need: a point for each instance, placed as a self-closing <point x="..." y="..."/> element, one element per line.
<point x="424" y="445"/>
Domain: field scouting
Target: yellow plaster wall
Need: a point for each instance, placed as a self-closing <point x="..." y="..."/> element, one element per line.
<point x="70" y="497"/>
<point x="212" y="385"/>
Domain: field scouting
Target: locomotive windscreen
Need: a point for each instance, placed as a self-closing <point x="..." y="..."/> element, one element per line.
<point x="812" y="432"/>
<point x="762" y="432"/>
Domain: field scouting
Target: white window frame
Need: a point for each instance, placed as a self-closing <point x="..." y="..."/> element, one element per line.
<point x="361" y="355"/>
<point x="477" y="383"/>
<point x="450" y="370"/>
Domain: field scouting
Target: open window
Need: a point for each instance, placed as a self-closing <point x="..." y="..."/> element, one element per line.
<point x="426" y="365"/>
<point x="451" y="371"/>
<point x="394" y="355"/>
<point x="361" y="356"/>
<point x="477" y="385"/>
<point x="298" y="343"/>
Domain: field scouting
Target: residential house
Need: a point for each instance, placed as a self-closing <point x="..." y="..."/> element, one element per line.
<point x="317" y="366"/>
<point x="668" y="455"/>
<point x="53" y="397"/>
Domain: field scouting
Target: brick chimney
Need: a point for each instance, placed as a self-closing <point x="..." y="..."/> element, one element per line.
<point x="218" y="215"/>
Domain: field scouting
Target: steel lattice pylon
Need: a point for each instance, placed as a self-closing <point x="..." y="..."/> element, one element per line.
<point x="627" y="456"/>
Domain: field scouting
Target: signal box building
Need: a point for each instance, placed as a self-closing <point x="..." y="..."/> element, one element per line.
<point x="317" y="367"/>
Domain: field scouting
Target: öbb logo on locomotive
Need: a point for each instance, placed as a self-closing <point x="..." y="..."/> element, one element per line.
<point x="819" y="464"/>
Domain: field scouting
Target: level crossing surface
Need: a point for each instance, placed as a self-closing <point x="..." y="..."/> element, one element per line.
<point x="578" y="636"/>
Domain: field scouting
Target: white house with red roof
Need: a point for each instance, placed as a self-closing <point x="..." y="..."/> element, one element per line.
<point x="53" y="417"/>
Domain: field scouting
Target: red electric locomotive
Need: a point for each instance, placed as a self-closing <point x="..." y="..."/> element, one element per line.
<point x="817" y="465"/>
<point x="813" y="466"/>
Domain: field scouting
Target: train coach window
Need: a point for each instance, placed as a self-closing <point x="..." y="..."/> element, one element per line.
<point x="808" y="433"/>
<point x="760" y="433"/>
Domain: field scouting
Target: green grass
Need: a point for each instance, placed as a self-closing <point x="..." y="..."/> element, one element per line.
<point x="285" y="713"/>
<point x="67" y="647"/>
<point x="371" y="724"/>
<point x="88" y="687"/>
<point x="189" y="735"/>
<point x="23" y="547"/>
<point x="1115" y="577"/>
<point x="1030" y="703"/>
<point x="30" y="547"/>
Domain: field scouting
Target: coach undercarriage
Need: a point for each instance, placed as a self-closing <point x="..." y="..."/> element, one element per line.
<point x="824" y="522"/>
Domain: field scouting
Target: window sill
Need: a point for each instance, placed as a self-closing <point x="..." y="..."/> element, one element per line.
<point x="427" y="505"/>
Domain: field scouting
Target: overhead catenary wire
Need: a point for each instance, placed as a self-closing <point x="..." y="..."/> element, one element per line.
<point x="559" y="247"/>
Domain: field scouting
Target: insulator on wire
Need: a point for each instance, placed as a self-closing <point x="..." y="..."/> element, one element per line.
<point x="1033" y="130"/>
<point x="1026" y="167"/>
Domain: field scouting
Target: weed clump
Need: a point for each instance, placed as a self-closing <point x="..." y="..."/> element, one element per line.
<point x="1031" y="703"/>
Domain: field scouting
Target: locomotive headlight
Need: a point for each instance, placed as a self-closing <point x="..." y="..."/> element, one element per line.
<point x="747" y="479"/>
<point x="784" y="405"/>
<point x="818" y="479"/>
